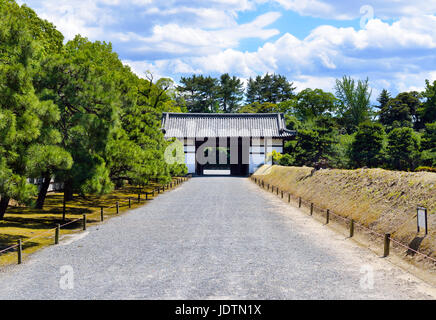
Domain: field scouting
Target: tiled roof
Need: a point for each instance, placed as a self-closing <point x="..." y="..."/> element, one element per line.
<point x="200" y="125"/>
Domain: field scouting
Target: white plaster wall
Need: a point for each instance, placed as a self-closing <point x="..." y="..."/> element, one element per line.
<point x="190" y="162"/>
<point x="189" y="146"/>
<point x="256" y="160"/>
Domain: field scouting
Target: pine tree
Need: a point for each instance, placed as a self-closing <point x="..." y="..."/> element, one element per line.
<point x="383" y="99"/>
<point x="20" y="109"/>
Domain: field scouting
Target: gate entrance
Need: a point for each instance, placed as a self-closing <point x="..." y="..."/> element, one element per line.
<point x="222" y="156"/>
<point x="235" y="142"/>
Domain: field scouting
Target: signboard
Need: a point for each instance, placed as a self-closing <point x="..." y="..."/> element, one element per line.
<point x="422" y="219"/>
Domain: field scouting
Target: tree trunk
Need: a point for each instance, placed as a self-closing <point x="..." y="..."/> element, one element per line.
<point x="43" y="191"/>
<point x="4" y="202"/>
<point x="68" y="190"/>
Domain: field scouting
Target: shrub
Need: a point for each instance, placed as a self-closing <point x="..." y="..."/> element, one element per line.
<point x="286" y="160"/>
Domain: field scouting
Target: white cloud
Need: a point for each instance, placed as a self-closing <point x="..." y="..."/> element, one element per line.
<point x="178" y="37"/>
<point x="173" y="38"/>
<point x="397" y="56"/>
<point x="346" y="9"/>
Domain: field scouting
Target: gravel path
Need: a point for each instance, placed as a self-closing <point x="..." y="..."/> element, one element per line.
<point x="211" y="238"/>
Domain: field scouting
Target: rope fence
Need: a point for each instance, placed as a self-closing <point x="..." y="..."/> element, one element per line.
<point x="352" y="223"/>
<point x="157" y="190"/>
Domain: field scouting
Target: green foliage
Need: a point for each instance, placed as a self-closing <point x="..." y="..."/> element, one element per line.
<point x="355" y="101"/>
<point x="14" y="186"/>
<point x="342" y="152"/>
<point x="269" y="88"/>
<point x="313" y="103"/>
<point x="383" y="99"/>
<point x="403" y="149"/>
<point x="87" y="119"/>
<point x="175" y="158"/>
<point x="314" y="143"/>
<point x="367" y="147"/>
<point x="207" y="94"/>
<point x="257" y="107"/>
<point x="286" y="160"/>
<point x="20" y="109"/>
<point x="427" y="111"/>
<point x="275" y="157"/>
<point x="230" y="93"/>
<point x="200" y="93"/>
<point x="428" y="145"/>
<point x="401" y="111"/>
<point x="47" y="158"/>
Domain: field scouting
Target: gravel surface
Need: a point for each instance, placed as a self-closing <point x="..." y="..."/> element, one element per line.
<point x="211" y="238"/>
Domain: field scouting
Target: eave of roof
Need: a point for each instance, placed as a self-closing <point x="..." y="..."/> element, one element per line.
<point x="208" y="125"/>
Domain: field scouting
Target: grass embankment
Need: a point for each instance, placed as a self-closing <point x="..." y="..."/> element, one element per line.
<point x="34" y="227"/>
<point x="382" y="200"/>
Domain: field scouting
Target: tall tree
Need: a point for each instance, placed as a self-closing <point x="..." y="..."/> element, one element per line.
<point x="269" y="88"/>
<point x="20" y="109"/>
<point x="82" y="81"/>
<point x="355" y="99"/>
<point x="201" y="93"/>
<point x="231" y="93"/>
<point x="383" y="99"/>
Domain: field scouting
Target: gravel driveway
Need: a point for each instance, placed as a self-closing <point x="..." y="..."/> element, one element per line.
<point x="211" y="238"/>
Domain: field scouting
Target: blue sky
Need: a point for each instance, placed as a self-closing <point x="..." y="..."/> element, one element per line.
<point x="312" y="42"/>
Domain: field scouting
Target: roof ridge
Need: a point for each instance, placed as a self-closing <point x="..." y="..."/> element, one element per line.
<point x="224" y="114"/>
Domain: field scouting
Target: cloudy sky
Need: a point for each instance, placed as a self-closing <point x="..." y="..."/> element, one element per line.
<point x="312" y="42"/>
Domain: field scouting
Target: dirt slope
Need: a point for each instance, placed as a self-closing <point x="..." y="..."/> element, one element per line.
<point x="384" y="200"/>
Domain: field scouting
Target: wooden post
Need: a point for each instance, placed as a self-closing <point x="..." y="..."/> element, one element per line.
<point x="311" y="208"/>
<point x="268" y="187"/>
<point x="289" y="197"/>
<point x="277" y="191"/>
<point x="299" y="202"/>
<point x="57" y="231"/>
<point x="139" y="198"/>
<point x="101" y="214"/>
<point x="327" y="217"/>
<point x="84" y="222"/>
<point x="130" y="203"/>
<point x="351" y="228"/>
<point x="146" y="196"/>
<point x="387" y="244"/>
<point x="118" y="207"/>
<point x="19" y="251"/>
